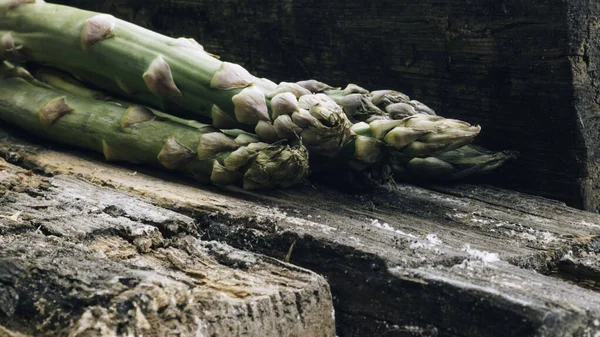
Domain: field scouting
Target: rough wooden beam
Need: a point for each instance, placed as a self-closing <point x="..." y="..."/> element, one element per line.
<point x="463" y="260"/>
<point x="78" y="259"/>
<point x="526" y="71"/>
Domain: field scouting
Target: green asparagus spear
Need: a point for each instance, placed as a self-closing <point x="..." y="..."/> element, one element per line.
<point x="138" y="135"/>
<point x="157" y="69"/>
<point x="466" y="161"/>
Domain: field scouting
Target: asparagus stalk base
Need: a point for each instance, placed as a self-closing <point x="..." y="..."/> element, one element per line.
<point x="136" y="134"/>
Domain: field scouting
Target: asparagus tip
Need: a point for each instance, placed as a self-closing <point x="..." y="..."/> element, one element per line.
<point x="277" y="165"/>
<point x="54" y="110"/>
<point x="331" y="133"/>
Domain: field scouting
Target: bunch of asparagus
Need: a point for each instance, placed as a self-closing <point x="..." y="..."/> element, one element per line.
<point x="277" y="125"/>
<point x="137" y="134"/>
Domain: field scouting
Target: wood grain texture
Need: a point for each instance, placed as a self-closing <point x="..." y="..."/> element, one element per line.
<point x="78" y="259"/>
<point x="462" y="260"/>
<point x="524" y="70"/>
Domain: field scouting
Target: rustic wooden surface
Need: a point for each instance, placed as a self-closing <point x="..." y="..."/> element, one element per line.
<point x="463" y="260"/>
<point x="79" y="259"/>
<point x="524" y="70"/>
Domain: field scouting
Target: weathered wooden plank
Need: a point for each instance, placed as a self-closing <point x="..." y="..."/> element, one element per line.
<point x="464" y="260"/>
<point x="526" y="71"/>
<point x="77" y="259"/>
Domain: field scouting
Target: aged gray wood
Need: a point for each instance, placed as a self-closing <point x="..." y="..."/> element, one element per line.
<point x="462" y="260"/>
<point x="78" y="259"/>
<point x="525" y="70"/>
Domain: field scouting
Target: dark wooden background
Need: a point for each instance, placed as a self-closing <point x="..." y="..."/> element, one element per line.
<point x="523" y="69"/>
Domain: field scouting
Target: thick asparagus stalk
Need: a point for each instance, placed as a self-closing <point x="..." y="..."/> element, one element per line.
<point x="138" y="135"/>
<point x="177" y="72"/>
